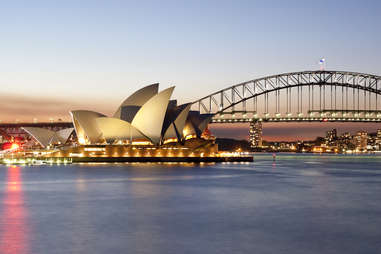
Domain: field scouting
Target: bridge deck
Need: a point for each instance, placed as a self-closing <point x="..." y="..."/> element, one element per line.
<point x="297" y="119"/>
<point x="41" y="125"/>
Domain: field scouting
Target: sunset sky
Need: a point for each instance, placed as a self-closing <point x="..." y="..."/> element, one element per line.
<point x="57" y="56"/>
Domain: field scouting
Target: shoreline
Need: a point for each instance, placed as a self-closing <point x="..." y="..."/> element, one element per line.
<point x="66" y="160"/>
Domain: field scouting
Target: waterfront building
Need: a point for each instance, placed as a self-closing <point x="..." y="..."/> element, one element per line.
<point x="378" y="140"/>
<point x="146" y="124"/>
<point x="331" y="136"/>
<point x="346" y="142"/>
<point x="361" y="140"/>
<point x="146" y="117"/>
<point x="255" y="134"/>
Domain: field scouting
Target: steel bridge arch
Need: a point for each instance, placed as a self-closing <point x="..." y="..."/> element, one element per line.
<point x="254" y="88"/>
<point x="300" y="85"/>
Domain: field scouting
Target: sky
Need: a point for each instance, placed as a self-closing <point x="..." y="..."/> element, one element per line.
<point x="57" y="56"/>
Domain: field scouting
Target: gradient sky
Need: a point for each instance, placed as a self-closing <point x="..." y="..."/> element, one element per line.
<point x="56" y="56"/>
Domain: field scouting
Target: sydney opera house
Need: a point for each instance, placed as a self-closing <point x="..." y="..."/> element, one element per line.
<point x="147" y="123"/>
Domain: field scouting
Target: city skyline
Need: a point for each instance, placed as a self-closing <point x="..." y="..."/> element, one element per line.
<point x="201" y="126"/>
<point x="58" y="57"/>
<point x="292" y="131"/>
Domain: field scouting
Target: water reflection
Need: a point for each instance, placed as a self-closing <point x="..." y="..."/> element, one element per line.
<point x="82" y="229"/>
<point x="13" y="220"/>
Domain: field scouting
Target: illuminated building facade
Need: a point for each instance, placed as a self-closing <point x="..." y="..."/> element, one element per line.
<point x="331" y="136"/>
<point x="361" y="140"/>
<point x="147" y="117"/>
<point x="378" y="139"/>
<point x="147" y="127"/>
<point x="255" y="134"/>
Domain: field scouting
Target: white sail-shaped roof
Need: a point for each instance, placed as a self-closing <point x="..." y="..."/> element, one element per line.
<point x="115" y="129"/>
<point x="64" y="134"/>
<point x="182" y="118"/>
<point x="85" y="126"/>
<point x="196" y="123"/>
<point x="47" y="137"/>
<point x="149" y="119"/>
<point x="61" y="136"/>
<point x="55" y="139"/>
<point x="189" y="129"/>
<point x="206" y="118"/>
<point x="139" y="98"/>
<point x="178" y="124"/>
<point x="171" y="132"/>
<point x="43" y="136"/>
<point x="127" y="113"/>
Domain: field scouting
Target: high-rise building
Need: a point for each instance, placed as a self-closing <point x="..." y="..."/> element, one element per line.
<point x="331" y="135"/>
<point x="378" y="140"/>
<point x="255" y="134"/>
<point x="346" y="142"/>
<point x="361" y="140"/>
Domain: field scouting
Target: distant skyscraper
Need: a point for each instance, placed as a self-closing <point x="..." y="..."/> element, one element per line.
<point x="255" y="134"/>
<point x="378" y="140"/>
<point x="331" y="135"/>
<point x="361" y="140"/>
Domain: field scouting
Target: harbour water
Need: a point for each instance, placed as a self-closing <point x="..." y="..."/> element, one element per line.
<point x="296" y="204"/>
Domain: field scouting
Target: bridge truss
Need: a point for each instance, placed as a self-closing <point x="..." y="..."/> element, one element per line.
<point x="298" y="96"/>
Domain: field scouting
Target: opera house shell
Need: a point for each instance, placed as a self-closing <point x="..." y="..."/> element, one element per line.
<point x="47" y="137"/>
<point x="146" y="117"/>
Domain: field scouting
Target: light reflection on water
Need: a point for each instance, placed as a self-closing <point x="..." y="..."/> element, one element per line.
<point x="13" y="221"/>
<point x="303" y="205"/>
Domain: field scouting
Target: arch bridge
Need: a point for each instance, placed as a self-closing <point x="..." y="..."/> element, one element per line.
<point x="322" y="96"/>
